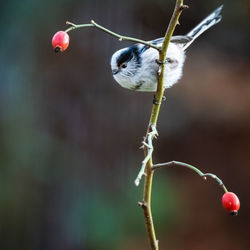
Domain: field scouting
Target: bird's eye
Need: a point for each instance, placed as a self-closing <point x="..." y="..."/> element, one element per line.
<point x="124" y="65"/>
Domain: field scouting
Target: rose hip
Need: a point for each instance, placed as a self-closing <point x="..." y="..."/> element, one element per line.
<point x="60" y="41"/>
<point x="231" y="203"/>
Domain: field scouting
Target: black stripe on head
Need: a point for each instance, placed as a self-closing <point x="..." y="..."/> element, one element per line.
<point x="131" y="52"/>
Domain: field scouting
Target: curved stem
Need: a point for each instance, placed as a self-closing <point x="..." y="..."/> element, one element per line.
<point x="196" y="170"/>
<point x="149" y="171"/>
<point x="121" y="38"/>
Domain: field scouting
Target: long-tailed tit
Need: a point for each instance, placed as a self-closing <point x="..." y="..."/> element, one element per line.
<point x="136" y="67"/>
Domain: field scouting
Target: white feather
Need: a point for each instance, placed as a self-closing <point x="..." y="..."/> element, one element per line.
<point x="141" y="69"/>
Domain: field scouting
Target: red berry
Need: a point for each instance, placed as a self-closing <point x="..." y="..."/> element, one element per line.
<point x="60" y="41"/>
<point x="231" y="203"/>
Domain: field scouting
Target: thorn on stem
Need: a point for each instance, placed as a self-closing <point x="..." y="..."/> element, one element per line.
<point x="146" y="145"/>
<point x="154" y="130"/>
<point x="183" y="7"/>
<point x="142" y="204"/>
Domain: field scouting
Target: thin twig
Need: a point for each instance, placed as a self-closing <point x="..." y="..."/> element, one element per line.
<point x="120" y="37"/>
<point x="196" y="170"/>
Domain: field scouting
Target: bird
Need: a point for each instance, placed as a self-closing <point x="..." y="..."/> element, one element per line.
<point x="136" y="67"/>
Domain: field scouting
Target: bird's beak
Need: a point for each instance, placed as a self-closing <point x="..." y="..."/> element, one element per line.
<point x="115" y="71"/>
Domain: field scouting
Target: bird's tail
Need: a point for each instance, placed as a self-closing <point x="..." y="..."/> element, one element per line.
<point x="208" y="22"/>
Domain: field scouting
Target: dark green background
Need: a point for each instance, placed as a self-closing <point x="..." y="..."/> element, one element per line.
<point x="70" y="135"/>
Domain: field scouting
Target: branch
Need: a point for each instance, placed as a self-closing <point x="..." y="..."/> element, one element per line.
<point x="179" y="7"/>
<point x="147" y="170"/>
<point x="196" y="170"/>
<point x="121" y="38"/>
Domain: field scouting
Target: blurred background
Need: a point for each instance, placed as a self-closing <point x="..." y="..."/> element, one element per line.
<point x="70" y="134"/>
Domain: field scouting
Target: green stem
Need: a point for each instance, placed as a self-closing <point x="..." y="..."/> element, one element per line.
<point x="146" y="203"/>
<point x="196" y="170"/>
<point x="121" y="38"/>
<point x="146" y="206"/>
<point x="77" y="26"/>
<point x="162" y="58"/>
